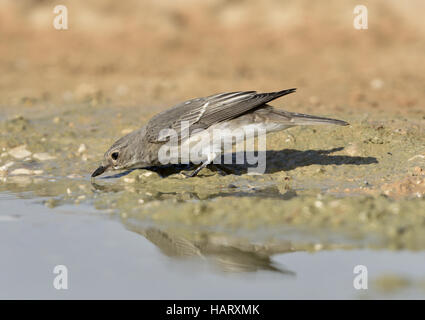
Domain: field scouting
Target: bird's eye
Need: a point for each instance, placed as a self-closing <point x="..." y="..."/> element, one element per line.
<point x="114" y="155"/>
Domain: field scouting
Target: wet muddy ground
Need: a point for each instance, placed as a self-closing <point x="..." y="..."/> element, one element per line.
<point x="331" y="198"/>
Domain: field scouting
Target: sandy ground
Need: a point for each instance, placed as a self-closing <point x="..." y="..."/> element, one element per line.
<point x="67" y="95"/>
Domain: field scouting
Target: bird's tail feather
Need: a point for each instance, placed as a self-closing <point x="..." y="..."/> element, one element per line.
<point x="305" y="119"/>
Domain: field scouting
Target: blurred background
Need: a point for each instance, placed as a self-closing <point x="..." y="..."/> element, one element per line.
<point x="163" y="51"/>
<point x="350" y="195"/>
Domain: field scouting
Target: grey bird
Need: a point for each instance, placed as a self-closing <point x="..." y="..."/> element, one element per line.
<point x="139" y="149"/>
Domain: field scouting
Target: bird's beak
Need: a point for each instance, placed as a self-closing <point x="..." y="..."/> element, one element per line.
<point x="99" y="171"/>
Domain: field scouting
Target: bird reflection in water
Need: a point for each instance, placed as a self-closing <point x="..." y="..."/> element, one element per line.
<point x="229" y="254"/>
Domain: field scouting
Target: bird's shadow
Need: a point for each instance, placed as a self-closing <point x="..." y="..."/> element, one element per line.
<point x="275" y="161"/>
<point x="289" y="159"/>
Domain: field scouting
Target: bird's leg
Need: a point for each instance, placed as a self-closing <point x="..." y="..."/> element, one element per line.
<point x="210" y="159"/>
<point x="196" y="171"/>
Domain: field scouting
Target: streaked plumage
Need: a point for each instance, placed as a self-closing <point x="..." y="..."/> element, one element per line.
<point x="225" y="110"/>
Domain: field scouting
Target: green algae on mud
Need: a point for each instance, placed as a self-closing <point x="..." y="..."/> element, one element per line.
<point x="319" y="180"/>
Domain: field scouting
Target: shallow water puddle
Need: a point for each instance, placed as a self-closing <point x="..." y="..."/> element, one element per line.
<point x="108" y="257"/>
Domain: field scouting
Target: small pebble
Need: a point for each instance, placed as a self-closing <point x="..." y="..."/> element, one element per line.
<point x="6" y="166"/>
<point x="43" y="156"/>
<point x="21" y="171"/>
<point x="353" y="150"/>
<point x="19" y="152"/>
<point x="126" y="131"/>
<point x="82" y="148"/>
<point x="24" y="171"/>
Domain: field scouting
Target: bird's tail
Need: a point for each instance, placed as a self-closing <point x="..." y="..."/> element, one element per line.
<point x="301" y="119"/>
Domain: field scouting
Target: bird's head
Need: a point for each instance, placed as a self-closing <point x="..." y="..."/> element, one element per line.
<point x="126" y="153"/>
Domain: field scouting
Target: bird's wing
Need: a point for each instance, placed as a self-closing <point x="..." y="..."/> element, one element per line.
<point x="201" y="113"/>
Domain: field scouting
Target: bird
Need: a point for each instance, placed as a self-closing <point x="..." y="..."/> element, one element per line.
<point x="196" y="117"/>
